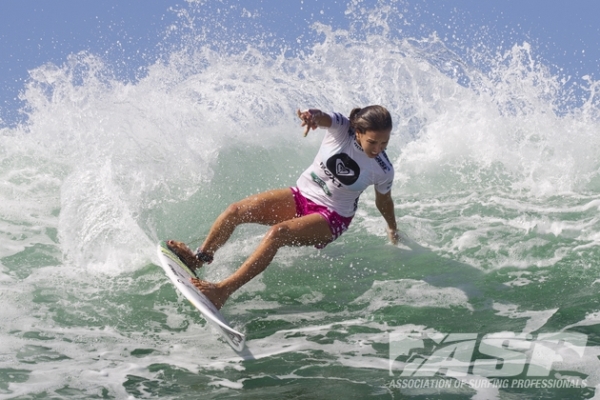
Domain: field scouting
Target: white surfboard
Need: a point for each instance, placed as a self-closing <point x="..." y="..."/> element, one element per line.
<point x="180" y="275"/>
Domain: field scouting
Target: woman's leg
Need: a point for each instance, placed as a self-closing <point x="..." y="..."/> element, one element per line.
<point x="309" y="230"/>
<point x="267" y="208"/>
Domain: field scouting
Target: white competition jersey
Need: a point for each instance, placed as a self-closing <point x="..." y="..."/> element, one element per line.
<point x="341" y="170"/>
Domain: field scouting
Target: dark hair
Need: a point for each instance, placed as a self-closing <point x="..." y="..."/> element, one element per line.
<point x="371" y="118"/>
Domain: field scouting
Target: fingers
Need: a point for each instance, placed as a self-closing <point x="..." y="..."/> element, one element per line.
<point x="308" y="119"/>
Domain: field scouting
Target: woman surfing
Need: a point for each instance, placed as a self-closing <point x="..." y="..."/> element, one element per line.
<point x="318" y="209"/>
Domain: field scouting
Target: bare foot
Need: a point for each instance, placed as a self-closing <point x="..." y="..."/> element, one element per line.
<point x="218" y="296"/>
<point x="185" y="254"/>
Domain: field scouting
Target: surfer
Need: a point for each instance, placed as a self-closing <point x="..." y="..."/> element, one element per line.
<point x="319" y="208"/>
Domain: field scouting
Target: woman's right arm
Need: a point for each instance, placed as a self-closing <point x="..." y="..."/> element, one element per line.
<point x="313" y="118"/>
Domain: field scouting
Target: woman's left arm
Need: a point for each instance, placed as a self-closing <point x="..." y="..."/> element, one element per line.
<point x="385" y="205"/>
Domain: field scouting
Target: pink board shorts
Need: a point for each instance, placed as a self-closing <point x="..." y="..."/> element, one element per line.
<point x="337" y="223"/>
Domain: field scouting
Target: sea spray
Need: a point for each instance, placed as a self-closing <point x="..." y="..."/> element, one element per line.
<point x="496" y="190"/>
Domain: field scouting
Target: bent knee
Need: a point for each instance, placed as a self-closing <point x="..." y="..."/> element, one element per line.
<point x="234" y="211"/>
<point x="244" y="211"/>
<point x="280" y="234"/>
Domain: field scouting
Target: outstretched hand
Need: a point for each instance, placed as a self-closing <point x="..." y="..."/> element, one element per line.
<point x="308" y="118"/>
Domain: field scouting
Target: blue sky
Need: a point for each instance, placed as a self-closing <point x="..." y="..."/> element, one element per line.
<point x="127" y="32"/>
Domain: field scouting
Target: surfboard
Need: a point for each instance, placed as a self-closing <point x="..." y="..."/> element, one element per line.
<point x="180" y="275"/>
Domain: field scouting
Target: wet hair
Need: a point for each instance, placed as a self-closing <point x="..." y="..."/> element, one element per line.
<point x="371" y="118"/>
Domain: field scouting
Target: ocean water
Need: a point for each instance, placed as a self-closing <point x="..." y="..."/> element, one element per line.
<point x="493" y="293"/>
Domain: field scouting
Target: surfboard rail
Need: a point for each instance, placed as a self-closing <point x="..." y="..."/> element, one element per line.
<point x="180" y="275"/>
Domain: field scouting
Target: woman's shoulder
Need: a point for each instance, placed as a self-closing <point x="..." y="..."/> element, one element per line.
<point x="340" y="124"/>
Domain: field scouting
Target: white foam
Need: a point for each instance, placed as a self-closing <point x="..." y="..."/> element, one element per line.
<point x="412" y="293"/>
<point x="535" y="319"/>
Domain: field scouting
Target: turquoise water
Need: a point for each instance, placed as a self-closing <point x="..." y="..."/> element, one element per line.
<point x="497" y="193"/>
